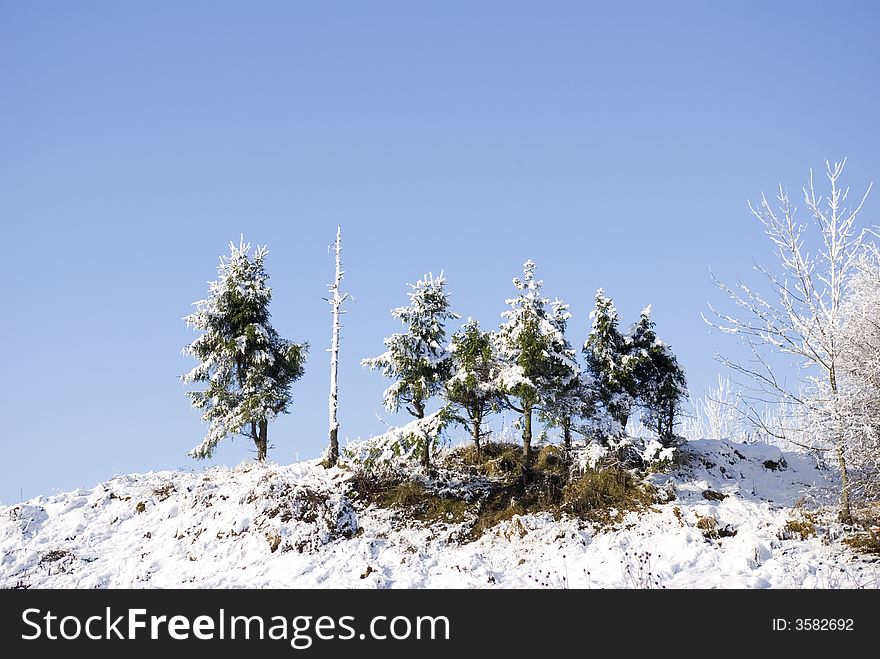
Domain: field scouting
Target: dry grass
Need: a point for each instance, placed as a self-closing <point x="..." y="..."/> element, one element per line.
<point x="411" y="499"/>
<point x="600" y="496"/>
<point x="798" y="529"/>
<point x="597" y="493"/>
<point x="866" y="543"/>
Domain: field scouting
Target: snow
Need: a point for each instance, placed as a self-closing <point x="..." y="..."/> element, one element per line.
<point x="397" y="446"/>
<point x="297" y="526"/>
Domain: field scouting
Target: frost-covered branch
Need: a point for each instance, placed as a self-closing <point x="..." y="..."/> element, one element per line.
<point x="803" y="318"/>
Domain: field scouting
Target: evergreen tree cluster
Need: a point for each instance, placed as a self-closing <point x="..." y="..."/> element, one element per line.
<point x="528" y="366"/>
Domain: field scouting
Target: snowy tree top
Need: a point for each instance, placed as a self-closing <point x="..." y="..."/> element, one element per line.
<point x="604" y="309"/>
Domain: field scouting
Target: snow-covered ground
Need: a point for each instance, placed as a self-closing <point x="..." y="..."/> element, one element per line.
<point x="296" y="526"/>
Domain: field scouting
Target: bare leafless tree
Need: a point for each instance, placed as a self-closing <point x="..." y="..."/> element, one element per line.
<point x="801" y="315"/>
<point x="336" y="299"/>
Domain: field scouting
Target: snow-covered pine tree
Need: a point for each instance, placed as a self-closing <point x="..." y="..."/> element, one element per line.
<point x="247" y="367"/>
<point x="336" y="299"/>
<point x="569" y="402"/>
<point x="532" y="352"/>
<point x="608" y="361"/>
<point x="659" y="382"/>
<point x="472" y="387"/>
<point x="417" y="360"/>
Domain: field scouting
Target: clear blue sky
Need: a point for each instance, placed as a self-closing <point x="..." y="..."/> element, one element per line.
<point x="615" y="144"/>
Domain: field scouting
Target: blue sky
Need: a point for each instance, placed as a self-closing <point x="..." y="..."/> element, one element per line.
<point x="615" y="144"/>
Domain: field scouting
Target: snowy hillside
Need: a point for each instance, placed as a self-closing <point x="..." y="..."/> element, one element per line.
<point x="736" y="518"/>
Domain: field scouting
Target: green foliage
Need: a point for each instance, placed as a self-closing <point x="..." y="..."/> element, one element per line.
<point x="472" y="388"/>
<point x="608" y="361"/>
<point x="398" y="449"/>
<point x="634" y="369"/>
<point x="569" y="402"/>
<point x="659" y="382"/>
<point x="417" y="360"/>
<point x="537" y="361"/>
<point x="246" y="368"/>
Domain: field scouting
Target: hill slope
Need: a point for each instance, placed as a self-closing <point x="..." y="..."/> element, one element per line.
<point x="731" y="523"/>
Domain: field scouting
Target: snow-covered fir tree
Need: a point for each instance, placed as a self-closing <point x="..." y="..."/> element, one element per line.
<point x="568" y="403"/>
<point x="608" y="361"/>
<point x="472" y="389"/>
<point x="658" y="380"/>
<point x="418" y="359"/>
<point x="246" y="367"/>
<point x="532" y="350"/>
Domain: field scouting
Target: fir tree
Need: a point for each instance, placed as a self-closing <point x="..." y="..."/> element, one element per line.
<point x="658" y="379"/>
<point x="247" y="368"/>
<point x="532" y="350"/>
<point x="417" y="360"/>
<point x="472" y="387"/>
<point x="569" y="400"/>
<point x="608" y="361"/>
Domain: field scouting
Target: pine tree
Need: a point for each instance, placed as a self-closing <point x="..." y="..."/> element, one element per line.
<point x="659" y="381"/>
<point x="532" y="350"/>
<point x="247" y="368"/>
<point x="569" y="401"/>
<point x="472" y="387"/>
<point x="608" y="361"/>
<point x="417" y="360"/>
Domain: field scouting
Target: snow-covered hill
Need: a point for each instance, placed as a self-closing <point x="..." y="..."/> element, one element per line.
<point x="736" y="519"/>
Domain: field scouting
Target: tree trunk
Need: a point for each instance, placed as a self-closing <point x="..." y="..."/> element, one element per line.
<point x="476" y="433"/>
<point x="527" y="436"/>
<point x="845" y="512"/>
<point x="566" y="435"/>
<point x="261" y="440"/>
<point x="336" y="301"/>
<point x="426" y="445"/>
<point x="664" y="423"/>
<point x="333" y="449"/>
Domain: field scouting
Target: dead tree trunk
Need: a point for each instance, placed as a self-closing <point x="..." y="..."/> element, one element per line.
<point x="336" y="299"/>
